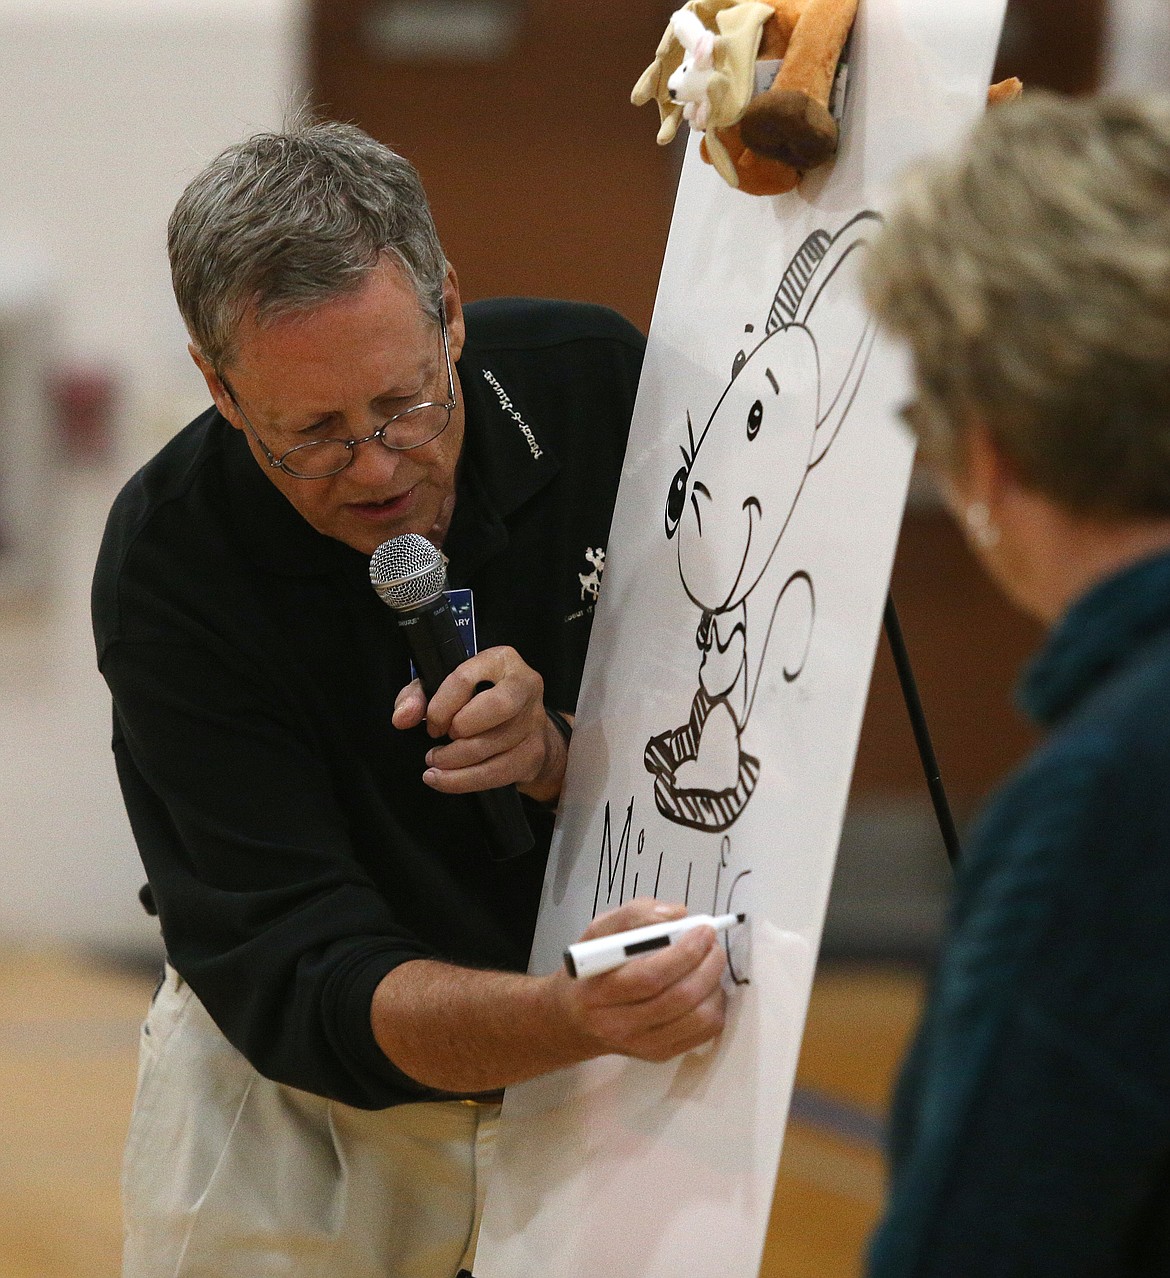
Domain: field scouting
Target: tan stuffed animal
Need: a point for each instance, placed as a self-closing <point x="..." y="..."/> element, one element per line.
<point x="790" y="122"/>
<point x="760" y="138"/>
<point x="759" y="141"/>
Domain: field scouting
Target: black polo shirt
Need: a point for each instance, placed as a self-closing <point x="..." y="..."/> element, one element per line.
<point x="293" y="851"/>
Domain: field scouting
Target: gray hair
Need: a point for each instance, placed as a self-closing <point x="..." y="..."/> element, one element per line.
<point x="285" y="221"/>
<point x="1031" y="278"/>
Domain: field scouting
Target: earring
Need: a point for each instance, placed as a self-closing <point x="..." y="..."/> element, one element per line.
<point x="980" y="528"/>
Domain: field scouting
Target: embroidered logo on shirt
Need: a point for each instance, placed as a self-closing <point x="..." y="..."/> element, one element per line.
<point x="506" y="404"/>
<point x="591" y="581"/>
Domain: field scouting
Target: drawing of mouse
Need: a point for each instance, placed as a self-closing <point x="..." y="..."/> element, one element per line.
<point x="692" y="79"/>
<point x="729" y="505"/>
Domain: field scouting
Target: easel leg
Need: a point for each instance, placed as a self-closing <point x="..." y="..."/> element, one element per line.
<point x="938" y="795"/>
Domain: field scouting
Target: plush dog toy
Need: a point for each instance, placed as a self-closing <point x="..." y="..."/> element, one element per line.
<point x="763" y="128"/>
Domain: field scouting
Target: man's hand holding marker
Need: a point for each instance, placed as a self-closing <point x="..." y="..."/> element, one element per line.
<point x="668" y="1001"/>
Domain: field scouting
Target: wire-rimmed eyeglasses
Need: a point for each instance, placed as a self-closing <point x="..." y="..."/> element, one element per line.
<point x="412" y="428"/>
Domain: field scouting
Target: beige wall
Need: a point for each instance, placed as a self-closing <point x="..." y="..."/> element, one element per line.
<point x="109" y="106"/>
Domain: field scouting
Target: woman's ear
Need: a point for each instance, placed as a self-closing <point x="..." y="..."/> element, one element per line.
<point x="984" y="473"/>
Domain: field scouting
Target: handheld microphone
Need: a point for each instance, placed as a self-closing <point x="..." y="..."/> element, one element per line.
<point x="408" y="575"/>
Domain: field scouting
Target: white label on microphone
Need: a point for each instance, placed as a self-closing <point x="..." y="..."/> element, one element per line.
<point x="463" y="609"/>
<point x="462" y="603"/>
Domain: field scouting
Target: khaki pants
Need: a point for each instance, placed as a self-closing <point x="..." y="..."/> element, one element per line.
<point x="229" y="1175"/>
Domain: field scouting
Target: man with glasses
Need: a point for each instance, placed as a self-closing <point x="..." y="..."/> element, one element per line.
<point x="345" y="993"/>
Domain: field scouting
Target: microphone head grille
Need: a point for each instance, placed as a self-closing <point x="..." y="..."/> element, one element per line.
<point x="407" y="571"/>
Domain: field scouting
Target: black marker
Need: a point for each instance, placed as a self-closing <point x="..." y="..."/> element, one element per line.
<point x="603" y="954"/>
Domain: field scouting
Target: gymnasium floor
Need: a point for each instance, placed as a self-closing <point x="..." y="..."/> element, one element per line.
<point x="68" y="1043"/>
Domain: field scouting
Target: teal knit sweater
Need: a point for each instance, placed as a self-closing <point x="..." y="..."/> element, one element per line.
<point x="1031" y="1127"/>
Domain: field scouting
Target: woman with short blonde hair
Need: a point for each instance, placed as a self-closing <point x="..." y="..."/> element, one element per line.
<point x="1030" y="278"/>
<point x="1032" y="283"/>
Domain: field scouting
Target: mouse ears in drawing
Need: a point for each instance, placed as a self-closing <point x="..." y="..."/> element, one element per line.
<point x="763" y="80"/>
<point x="819" y="292"/>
